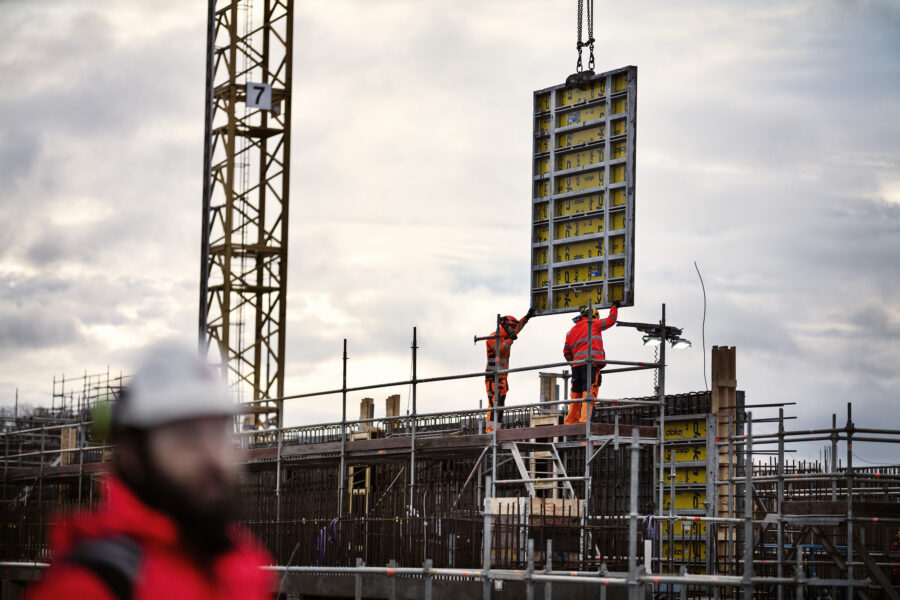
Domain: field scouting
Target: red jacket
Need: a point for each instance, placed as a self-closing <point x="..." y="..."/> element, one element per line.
<point x="576" y="347"/>
<point x="165" y="570"/>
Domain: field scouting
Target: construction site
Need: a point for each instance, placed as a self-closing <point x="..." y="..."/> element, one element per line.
<point x="660" y="494"/>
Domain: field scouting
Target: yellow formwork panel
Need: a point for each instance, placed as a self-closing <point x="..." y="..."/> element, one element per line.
<point x="617" y="268"/>
<point x="581" y="136"/>
<point x="617" y="197"/>
<point x="582" y="115"/>
<point x="685" y="550"/>
<point x="542" y="166"/>
<point x="618" y="150"/>
<point x="541" y="189"/>
<point x="540" y="256"/>
<point x="539" y="300"/>
<point x="686" y="453"/>
<point x="576" y="298"/>
<point x="685" y="475"/>
<point x="617" y="127"/>
<point x="542" y="124"/>
<point x="693" y="528"/>
<point x="541" y="211"/>
<point x="578" y="227"/>
<point x="579" y="274"/>
<point x="691" y="429"/>
<point x="568" y="97"/>
<point x="617" y="244"/>
<point x="620" y="82"/>
<point x="685" y="500"/>
<point x="578" y="250"/>
<point x="580" y="158"/>
<point x="617" y="221"/>
<point x="541" y="233"/>
<point x="579" y="181"/>
<point x="618" y="174"/>
<point x="616" y="291"/>
<point x="542" y="144"/>
<point x="542" y="102"/>
<point x="539" y="279"/>
<point x="582" y="204"/>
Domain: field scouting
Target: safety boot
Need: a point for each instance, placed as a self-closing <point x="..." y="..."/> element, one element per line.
<point x="574" y="409"/>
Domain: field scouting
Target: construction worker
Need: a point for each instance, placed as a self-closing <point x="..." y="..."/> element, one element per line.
<point x="164" y="526"/>
<point x="576" y="349"/>
<point x="499" y="344"/>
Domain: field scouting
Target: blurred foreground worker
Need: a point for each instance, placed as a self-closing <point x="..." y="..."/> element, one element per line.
<point x="576" y="349"/>
<point x="164" y="526"/>
<point x="499" y="344"/>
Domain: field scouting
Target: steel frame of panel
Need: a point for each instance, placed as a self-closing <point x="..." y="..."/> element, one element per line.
<point x="245" y="198"/>
<point x="605" y="189"/>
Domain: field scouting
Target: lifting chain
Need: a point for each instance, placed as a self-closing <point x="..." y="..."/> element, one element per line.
<point x="590" y="41"/>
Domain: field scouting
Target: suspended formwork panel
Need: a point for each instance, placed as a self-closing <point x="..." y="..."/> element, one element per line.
<point x="582" y="245"/>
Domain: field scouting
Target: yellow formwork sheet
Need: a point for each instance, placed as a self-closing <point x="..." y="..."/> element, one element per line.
<point x="571" y="96"/>
<point x="689" y="429"/>
<point x="579" y="297"/>
<point x="578" y="251"/>
<point x="685" y="500"/>
<point x="580" y="115"/>
<point x="685" y="475"/>
<point x="581" y="136"/>
<point x="576" y="227"/>
<point x="581" y="204"/>
<point x="579" y="274"/>
<point x="579" y="181"/>
<point x="685" y="550"/>
<point x="686" y="453"/>
<point x="578" y="158"/>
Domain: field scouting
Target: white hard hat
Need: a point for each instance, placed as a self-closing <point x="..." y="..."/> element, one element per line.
<point x="173" y="383"/>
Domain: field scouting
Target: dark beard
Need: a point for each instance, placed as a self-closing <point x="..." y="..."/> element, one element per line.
<point x="203" y="530"/>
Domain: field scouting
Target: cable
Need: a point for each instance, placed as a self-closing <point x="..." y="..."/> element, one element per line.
<point x="703" y="327"/>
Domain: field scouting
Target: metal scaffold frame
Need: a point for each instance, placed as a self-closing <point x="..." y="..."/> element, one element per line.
<point x="757" y="534"/>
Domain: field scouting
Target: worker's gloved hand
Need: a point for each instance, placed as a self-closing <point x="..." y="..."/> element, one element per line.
<point x="616" y="304"/>
<point x="530" y="313"/>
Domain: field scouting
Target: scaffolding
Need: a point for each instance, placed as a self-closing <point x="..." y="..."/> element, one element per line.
<point x="445" y="503"/>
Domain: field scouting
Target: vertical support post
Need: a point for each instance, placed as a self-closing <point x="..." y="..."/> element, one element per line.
<point x="634" y="587"/>
<point x="81" y="442"/>
<point x="357" y="595"/>
<point x="486" y="543"/>
<point x="392" y="580"/>
<point x="661" y="392"/>
<point x="6" y="462"/>
<point x="428" y="579"/>
<point x="529" y="581"/>
<point x="849" y="500"/>
<point x="342" y="478"/>
<point x="40" y="498"/>
<point x="780" y="500"/>
<point x="548" y="569"/>
<point x="729" y="567"/>
<point x="587" y="408"/>
<point x="412" y="444"/>
<point x="748" y="510"/>
<point x="279" y="431"/>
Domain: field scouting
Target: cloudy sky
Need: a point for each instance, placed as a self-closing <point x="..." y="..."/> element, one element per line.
<point x="768" y="150"/>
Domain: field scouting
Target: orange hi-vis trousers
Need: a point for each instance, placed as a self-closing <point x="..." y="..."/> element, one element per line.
<point x="496" y="399"/>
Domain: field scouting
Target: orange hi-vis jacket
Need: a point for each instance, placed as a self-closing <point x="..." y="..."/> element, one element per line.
<point x="576" y="348"/>
<point x="505" y="343"/>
